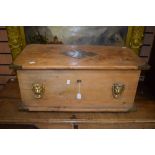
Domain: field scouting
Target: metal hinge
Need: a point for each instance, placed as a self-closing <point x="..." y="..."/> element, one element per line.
<point x="15" y="67"/>
<point x="144" y="67"/>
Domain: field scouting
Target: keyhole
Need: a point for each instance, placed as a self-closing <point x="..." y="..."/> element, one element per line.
<point x="79" y="81"/>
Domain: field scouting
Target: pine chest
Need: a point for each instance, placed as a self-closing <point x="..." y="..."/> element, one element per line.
<point x="77" y="78"/>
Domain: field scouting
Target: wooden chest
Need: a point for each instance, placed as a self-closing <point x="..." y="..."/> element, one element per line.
<point x="77" y="78"/>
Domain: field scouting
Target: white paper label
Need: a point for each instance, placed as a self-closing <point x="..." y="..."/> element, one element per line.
<point x="78" y="96"/>
<point x="68" y="82"/>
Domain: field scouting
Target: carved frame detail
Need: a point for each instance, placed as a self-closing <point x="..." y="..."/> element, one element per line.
<point x="135" y="38"/>
<point x="16" y="39"/>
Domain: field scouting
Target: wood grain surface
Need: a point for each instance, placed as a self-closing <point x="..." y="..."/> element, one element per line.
<point x="4" y="79"/>
<point x="96" y="89"/>
<point x="98" y="68"/>
<point x="38" y="56"/>
<point x="5" y="59"/>
<point x="4" y="47"/>
<point x="4" y="69"/>
<point x="3" y="35"/>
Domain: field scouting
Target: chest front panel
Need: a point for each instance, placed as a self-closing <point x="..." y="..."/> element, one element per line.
<point x="78" y="90"/>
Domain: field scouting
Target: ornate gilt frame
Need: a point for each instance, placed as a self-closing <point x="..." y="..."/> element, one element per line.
<point x="17" y="42"/>
<point x="135" y="37"/>
<point x="16" y="39"/>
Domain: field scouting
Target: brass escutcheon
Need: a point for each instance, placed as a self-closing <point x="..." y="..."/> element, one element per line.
<point x="117" y="89"/>
<point x="38" y="90"/>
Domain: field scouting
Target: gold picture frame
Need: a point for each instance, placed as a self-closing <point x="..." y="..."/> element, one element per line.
<point x="134" y="38"/>
<point x="16" y="38"/>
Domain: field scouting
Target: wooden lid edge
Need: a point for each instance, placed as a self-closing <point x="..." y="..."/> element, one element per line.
<point x="80" y="68"/>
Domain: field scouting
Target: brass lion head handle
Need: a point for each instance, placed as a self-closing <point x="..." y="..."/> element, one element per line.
<point x="38" y="90"/>
<point x="117" y="89"/>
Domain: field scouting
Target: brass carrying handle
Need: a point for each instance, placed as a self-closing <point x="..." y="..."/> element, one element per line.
<point x="38" y="90"/>
<point x="117" y="90"/>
